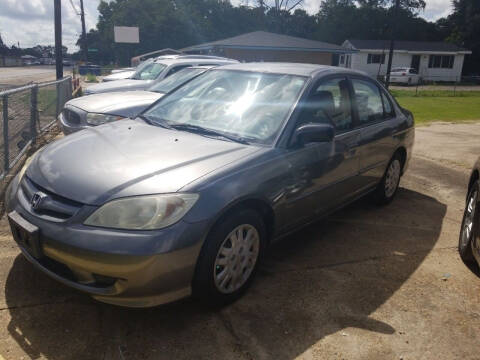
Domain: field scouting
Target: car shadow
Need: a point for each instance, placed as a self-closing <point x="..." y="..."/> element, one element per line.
<point x="326" y="278"/>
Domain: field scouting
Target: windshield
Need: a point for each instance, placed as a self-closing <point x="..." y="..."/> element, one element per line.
<point x="149" y="72"/>
<point x="247" y="105"/>
<point x="173" y="81"/>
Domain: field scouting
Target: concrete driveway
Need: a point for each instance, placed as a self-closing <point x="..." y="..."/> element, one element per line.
<point x="365" y="283"/>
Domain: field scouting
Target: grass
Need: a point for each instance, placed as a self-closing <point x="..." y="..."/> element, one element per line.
<point x="91" y="78"/>
<point x="434" y="93"/>
<point x="440" y="105"/>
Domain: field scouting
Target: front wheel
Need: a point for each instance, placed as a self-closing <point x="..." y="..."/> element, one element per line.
<point x="467" y="231"/>
<point x="229" y="258"/>
<point x="386" y="190"/>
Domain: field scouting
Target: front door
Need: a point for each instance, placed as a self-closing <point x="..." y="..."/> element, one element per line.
<point x="416" y="63"/>
<point x="324" y="174"/>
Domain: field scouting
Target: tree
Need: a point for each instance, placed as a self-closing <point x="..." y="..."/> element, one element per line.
<point x="411" y="5"/>
<point x="464" y="27"/>
<point x="181" y="23"/>
<point x="339" y="20"/>
<point x="3" y="47"/>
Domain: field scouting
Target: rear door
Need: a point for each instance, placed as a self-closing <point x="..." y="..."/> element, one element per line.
<point x="377" y="124"/>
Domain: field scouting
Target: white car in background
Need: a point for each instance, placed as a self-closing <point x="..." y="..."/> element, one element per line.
<point x="125" y="73"/>
<point x="404" y="75"/>
<point x="155" y="71"/>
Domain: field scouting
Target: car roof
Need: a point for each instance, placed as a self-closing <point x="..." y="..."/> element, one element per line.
<point x="195" y="61"/>
<point x="206" y="67"/>
<point x="299" y="69"/>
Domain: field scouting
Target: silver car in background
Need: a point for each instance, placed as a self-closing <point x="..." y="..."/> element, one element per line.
<point x="126" y="73"/>
<point x="98" y="109"/>
<point x="154" y="72"/>
<point x="119" y="75"/>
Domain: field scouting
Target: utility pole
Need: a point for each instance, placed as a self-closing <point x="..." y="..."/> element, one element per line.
<point x="58" y="38"/>
<point x="84" y="33"/>
<point x="392" y="42"/>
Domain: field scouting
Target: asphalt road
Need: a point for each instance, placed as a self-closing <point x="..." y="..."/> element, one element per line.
<point x="365" y="283"/>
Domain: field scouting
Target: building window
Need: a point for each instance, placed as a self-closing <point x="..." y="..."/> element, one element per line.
<point x="441" y="61"/>
<point x="342" y="59"/>
<point x="376" y="59"/>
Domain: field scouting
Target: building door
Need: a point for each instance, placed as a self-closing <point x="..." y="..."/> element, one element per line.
<point x="349" y="61"/>
<point x="416" y="63"/>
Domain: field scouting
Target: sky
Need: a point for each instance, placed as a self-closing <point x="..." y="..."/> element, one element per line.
<point x="30" y="22"/>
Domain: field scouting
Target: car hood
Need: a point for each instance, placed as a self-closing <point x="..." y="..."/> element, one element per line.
<point x="128" y="158"/>
<point x="115" y="102"/>
<point x="119" y="75"/>
<point x="118" y="85"/>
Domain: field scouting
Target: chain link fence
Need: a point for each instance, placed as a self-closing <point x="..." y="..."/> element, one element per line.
<point x="434" y="85"/>
<point x="27" y="112"/>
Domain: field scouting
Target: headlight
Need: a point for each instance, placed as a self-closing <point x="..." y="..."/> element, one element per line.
<point x="99" y="119"/>
<point x="143" y="212"/>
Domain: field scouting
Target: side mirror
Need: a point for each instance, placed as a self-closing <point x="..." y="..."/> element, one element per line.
<point x="314" y="133"/>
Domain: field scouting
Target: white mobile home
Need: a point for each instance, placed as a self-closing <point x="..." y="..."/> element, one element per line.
<point x="434" y="61"/>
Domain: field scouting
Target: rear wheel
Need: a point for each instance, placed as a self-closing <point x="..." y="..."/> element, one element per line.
<point x="387" y="189"/>
<point x="229" y="258"/>
<point x="467" y="231"/>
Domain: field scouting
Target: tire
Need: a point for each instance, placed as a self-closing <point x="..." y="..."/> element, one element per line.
<point x="388" y="186"/>
<point x="467" y="231"/>
<point x="214" y="266"/>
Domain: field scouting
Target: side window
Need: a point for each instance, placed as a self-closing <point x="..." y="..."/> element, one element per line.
<point x="176" y="68"/>
<point x="387" y="106"/>
<point x="329" y="103"/>
<point x="369" y="102"/>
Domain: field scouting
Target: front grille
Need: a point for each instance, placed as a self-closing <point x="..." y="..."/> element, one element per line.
<point x="71" y="117"/>
<point x="98" y="281"/>
<point x="50" y="206"/>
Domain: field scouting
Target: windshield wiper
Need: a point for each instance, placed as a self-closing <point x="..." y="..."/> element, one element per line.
<point x="204" y="131"/>
<point x="161" y="123"/>
<point x="147" y="120"/>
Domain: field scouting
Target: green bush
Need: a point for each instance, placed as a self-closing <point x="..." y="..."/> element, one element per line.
<point x="91" y="78"/>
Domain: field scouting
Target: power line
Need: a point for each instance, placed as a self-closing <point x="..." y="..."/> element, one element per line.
<point x="84" y="45"/>
<point x="84" y="33"/>
<point x="74" y="8"/>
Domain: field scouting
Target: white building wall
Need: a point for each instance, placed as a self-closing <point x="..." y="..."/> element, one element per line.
<point x="404" y="59"/>
<point x="359" y="62"/>
<point x="441" y="74"/>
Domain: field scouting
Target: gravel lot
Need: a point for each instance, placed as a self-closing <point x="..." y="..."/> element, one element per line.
<point x="20" y="75"/>
<point x="365" y="283"/>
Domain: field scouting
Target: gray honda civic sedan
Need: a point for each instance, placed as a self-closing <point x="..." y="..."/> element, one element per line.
<point x="186" y="198"/>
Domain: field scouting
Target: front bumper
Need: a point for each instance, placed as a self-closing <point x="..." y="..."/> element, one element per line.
<point x="402" y="79"/>
<point x="127" y="268"/>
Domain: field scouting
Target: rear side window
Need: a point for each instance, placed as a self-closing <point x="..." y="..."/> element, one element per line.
<point x="369" y="101"/>
<point x="176" y="69"/>
<point x="387" y="106"/>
